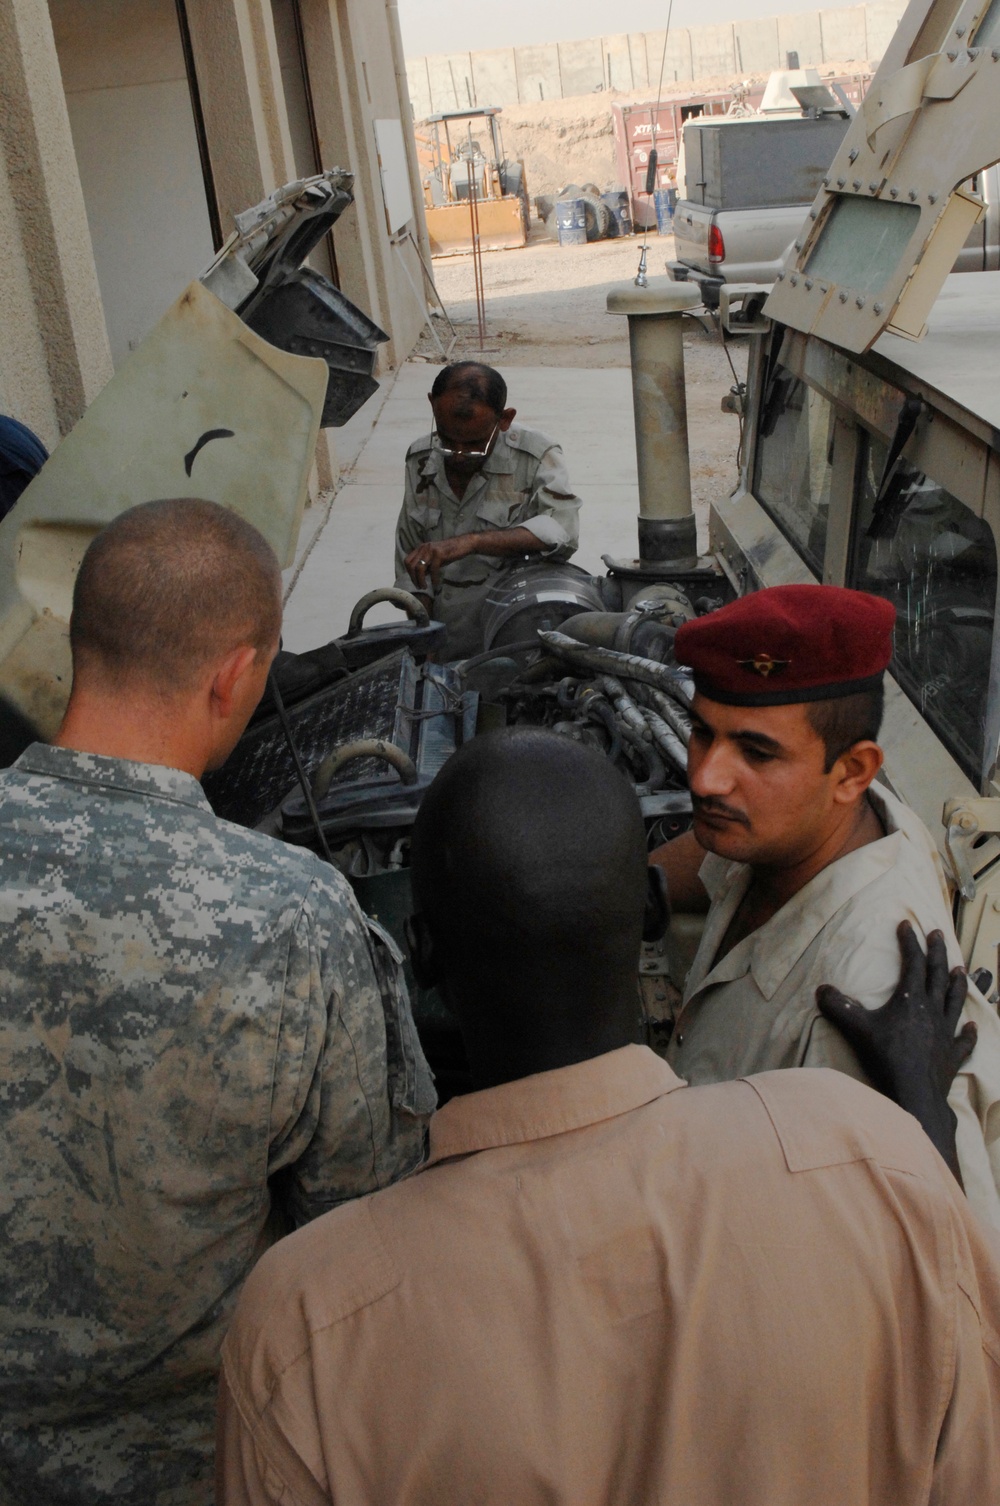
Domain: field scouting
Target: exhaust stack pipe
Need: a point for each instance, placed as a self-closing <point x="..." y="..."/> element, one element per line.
<point x="667" y="535"/>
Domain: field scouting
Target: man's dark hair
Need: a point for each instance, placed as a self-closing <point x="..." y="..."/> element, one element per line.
<point x="475" y="380"/>
<point x="167" y="587"/>
<point x="845" y="721"/>
<point x="529" y="852"/>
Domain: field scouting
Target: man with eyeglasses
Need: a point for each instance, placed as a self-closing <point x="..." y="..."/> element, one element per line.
<point x="480" y="496"/>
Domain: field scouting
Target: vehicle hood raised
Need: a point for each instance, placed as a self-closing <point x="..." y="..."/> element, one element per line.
<point x="204" y="407"/>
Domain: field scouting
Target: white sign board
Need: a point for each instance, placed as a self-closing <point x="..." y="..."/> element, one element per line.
<point x="395" y="176"/>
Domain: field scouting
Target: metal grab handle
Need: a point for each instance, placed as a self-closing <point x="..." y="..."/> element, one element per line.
<point x="413" y="608"/>
<point x="367" y="747"/>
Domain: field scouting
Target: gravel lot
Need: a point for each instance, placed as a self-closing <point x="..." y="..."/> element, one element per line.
<point x="546" y="306"/>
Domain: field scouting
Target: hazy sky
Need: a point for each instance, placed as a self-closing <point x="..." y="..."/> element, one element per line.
<point x="468" y="25"/>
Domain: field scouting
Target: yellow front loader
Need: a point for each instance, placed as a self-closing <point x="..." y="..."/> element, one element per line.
<point x="470" y="186"/>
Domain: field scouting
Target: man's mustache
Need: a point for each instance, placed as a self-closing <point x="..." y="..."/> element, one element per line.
<point x="712" y="807"/>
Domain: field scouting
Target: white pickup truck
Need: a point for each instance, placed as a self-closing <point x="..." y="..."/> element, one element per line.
<point x="748" y="184"/>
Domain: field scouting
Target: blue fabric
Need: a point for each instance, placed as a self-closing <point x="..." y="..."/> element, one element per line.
<point x="22" y="456"/>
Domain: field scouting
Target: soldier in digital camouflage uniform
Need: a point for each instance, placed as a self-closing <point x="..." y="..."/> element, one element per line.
<point x="204" y="1042"/>
<point x="480" y="497"/>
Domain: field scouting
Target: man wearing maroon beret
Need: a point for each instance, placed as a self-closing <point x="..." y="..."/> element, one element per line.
<point x="805" y="866"/>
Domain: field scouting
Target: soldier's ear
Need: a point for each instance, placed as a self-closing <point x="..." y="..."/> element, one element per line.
<point x="420" y="944"/>
<point x="507" y="417"/>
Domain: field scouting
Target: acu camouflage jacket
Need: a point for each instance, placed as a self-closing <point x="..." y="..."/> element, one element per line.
<point x="202" y="1041"/>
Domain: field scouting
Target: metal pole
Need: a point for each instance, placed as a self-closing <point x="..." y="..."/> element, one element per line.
<point x="477" y="255"/>
<point x="666" y="520"/>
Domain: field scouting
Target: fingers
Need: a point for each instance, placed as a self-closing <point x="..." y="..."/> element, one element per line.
<point x="416" y="568"/>
<point x="937" y="969"/>
<point x="847" y="1014"/>
<point x="965" y="1044"/>
<point x="914" y="971"/>
<point x="955" y="995"/>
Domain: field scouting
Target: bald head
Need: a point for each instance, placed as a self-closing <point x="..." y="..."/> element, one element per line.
<point x="167" y="589"/>
<point x="529" y="873"/>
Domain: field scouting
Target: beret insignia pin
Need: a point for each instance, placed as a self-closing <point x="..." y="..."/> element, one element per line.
<point x="763" y="664"/>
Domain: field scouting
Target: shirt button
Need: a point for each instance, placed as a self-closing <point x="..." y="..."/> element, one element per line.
<point x="680" y="1040"/>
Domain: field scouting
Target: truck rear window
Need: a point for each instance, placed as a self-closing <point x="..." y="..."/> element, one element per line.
<point x="936" y="561"/>
<point x="793" y="464"/>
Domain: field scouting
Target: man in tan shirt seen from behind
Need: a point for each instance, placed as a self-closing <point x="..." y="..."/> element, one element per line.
<point x="605" y="1286"/>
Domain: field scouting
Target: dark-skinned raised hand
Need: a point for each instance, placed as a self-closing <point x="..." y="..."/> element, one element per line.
<point x="909" y="1048"/>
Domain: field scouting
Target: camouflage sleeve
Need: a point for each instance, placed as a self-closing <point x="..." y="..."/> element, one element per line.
<point x="352" y="1091"/>
<point x="555" y="509"/>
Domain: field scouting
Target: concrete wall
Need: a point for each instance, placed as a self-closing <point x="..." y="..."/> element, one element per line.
<point x="106" y="209"/>
<point x="581" y="68"/>
<point x="137" y="152"/>
<point x="355" y="62"/>
<point x="631" y="62"/>
<point x="54" y="355"/>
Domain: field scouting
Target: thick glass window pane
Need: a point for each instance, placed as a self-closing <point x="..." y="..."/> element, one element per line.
<point x="794" y="464"/>
<point x="862" y="242"/>
<point x="937" y="563"/>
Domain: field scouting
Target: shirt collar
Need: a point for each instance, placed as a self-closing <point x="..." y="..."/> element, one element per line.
<point x="499" y="462"/>
<point x="550" y="1103"/>
<point x="771" y="952"/>
<point x="98" y="772"/>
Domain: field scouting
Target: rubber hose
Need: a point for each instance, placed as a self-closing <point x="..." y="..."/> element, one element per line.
<point x="667" y="741"/>
<point x="366" y="747"/>
<point x="624" y="706"/>
<point x="656" y="774"/>
<point x="606" y="661"/>
<point x="413" y="608"/>
<point x="598" y="710"/>
<point x="673" y="714"/>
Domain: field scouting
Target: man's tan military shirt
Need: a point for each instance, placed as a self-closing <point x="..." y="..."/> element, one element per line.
<point x="201" y="1043"/>
<point x="522" y="484"/>
<point x="609" y="1289"/>
<point x="755" y="1009"/>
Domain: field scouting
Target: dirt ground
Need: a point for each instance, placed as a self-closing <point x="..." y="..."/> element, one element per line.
<point x="546" y="305"/>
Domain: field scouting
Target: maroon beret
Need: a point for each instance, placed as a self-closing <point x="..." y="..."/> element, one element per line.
<point x="788" y="644"/>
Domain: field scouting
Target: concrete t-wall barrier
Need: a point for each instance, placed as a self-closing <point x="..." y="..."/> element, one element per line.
<point x="630" y="62"/>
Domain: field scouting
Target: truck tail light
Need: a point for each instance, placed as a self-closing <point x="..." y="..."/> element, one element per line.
<point x="716" y="245"/>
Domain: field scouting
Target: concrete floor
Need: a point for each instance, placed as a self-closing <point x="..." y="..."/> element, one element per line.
<point x="589" y="411"/>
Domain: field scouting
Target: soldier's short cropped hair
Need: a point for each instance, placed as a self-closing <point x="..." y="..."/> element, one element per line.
<point x="845" y="721"/>
<point x="169" y="586"/>
<point x="474" y="379"/>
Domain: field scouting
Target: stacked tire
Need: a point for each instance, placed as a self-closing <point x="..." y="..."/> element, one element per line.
<point x="598" y="214"/>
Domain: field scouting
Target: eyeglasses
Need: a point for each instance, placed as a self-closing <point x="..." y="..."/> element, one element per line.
<point x="464" y="451"/>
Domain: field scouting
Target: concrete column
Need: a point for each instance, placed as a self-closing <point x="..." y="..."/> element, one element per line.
<point x="54" y="357"/>
<point x="345" y="44"/>
<point x="339" y="127"/>
<point x="242" y="101"/>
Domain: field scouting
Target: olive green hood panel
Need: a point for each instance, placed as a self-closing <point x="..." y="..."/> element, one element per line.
<point x="203" y="408"/>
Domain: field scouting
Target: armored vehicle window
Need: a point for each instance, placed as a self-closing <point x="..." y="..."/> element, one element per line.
<point x="862" y="241"/>
<point x="936" y="562"/>
<point x="793" y="463"/>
